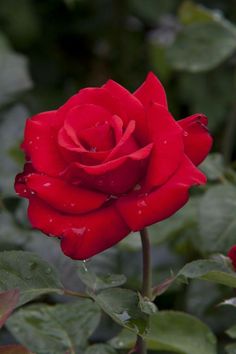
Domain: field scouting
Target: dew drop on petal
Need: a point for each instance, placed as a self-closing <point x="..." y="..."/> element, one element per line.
<point x="165" y="142"/>
<point x="47" y="184"/>
<point x="185" y="133"/>
<point x="141" y="203"/>
<point x="137" y="187"/>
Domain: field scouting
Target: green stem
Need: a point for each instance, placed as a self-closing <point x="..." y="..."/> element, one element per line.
<point x="147" y="264"/>
<point x="141" y="347"/>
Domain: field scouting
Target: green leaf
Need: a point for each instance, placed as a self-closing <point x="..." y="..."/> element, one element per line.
<point x="213" y="167"/>
<point x="231" y="302"/>
<point x="95" y="283"/>
<point x="217" y="219"/>
<point x="211" y="270"/>
<point x="231" y="348"/>
<point x="172" y="331"/>
<point x="125" y="339"/>
<point x="191" y="12"/>
<point x="14" y="349"/>
<point x="100" y="349"/>
<point x="8" y="301"/>
<point x="181" y="333"/>
<point x="201" y="47"/>
<point x="29" y="273"/>
<point x="123" y="306"/>
<point x="231" y="331"/>
<point x="14" y="75"/>
<point x="57" y="329"/>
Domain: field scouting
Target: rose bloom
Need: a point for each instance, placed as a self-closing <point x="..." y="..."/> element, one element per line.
<point x="232" y="256"/>
<point x="109" y="162"/>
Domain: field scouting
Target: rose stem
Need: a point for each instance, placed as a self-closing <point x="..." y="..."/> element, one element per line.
<point x="141" y="347"/>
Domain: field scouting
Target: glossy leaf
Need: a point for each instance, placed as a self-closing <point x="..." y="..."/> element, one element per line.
<point x="96" y="283"/>
<point x="180" y="333"/>
<point x="231" y="331"/>
<point x="26" y="271"/>
<point x="218" y="272"/>
<point x="172" y="331"/>
<point x="201" y="46"/>
<point x="217" y="219"/>
<point x="14" y="349"/>
<point x="8" y="301"/>
<point x="100" y="349"/>
<point x="213" y="167"/>
<point x="123" y="306"/>
<point x="55" y="329"/>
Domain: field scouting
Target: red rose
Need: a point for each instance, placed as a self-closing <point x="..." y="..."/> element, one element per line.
<point x="232" y="255"/>
<point x="108" y="162"/>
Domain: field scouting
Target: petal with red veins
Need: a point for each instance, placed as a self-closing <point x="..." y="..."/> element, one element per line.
<point x="151" y="91"/>
<point x="114" y="177"/>
<point x="40" y="144"/>
<point x="96" y="96"/>
<point x="168" y="149"/>
<point x="142" y="210"/>
<point x="197" y="140"/>
<point x="63" y="196"/>
<point x="132" y="106"/>
<point x="82" y="236"/>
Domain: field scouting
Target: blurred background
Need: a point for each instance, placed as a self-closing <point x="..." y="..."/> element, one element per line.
<point x="51" y="49"/>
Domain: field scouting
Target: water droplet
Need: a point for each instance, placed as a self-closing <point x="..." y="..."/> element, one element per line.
<point x="32" y="192"/>
<point x="120" y="344"/>
<point x="124" y="316"/>
<point x="137" y="187"/>
<point x="79" y="231"/>
<point x="37" y="137"/>
<point x="48" y="184"/>
<point x="141" y="203"/>
<point x="48" y="270"/>
<point x="93" y="149"/>
<point x="165" y="141"/>
<point x="140" y="212"/>
<point x="72" y="204"/>
<point x="30" y="142"/>
<point x="50" y="220"/>
<point x="25" y="190"/>
<point x="185" y="133"/>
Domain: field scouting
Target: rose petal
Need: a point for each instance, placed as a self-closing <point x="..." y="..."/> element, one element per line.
<point x="142" y="210"/>
<point x="96" y="96"/>
<point x="63" y="196"/>
<point x="84" y="117"/>
<point x="40" y="144"/>
<point x="168" y="147"/>
<point x="100" y="138"/>
<point x="83" y="235"/>
<point x="113" y="177"/>
<point x="132" y="106"/>
<point x="126" y="145"/>
<point x="197" y="140"/>
<point x="151" y="91"/>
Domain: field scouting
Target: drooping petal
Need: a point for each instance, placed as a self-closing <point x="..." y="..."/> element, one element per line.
<point x="82" y="236"/>
<point x="40" y="144"/>
<point x="113" y="177"/>
<point x="142" y="210"/>
<point x="197" y="140"/>
<point x="132" y="106"/>
<point x="63" y="196"/>
<point x="168" y="149"/>
<point x="20" y="181"/>
<point x="151" y="91"/>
